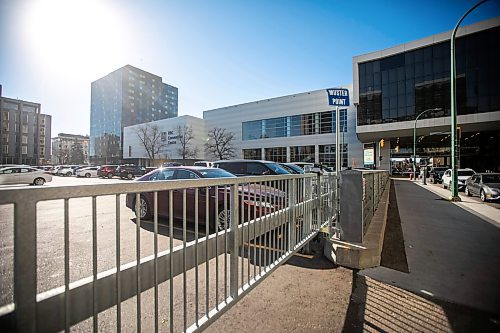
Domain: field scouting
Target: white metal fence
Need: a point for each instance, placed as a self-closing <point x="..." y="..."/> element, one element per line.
<point x="223" y="237"/>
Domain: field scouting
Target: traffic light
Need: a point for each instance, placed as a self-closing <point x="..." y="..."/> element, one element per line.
<point x="381" y="143"/>
<point x="396" y="149"/>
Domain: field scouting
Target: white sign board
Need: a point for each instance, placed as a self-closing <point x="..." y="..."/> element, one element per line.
<point x="368" y="156"/>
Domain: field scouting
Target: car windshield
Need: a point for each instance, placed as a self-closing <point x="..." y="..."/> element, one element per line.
<point x="296" y="168"/>
<point x="465" y="173"/>
<point x="215" y="173"/>
<point x="277" y="169"/>
<point x="491" y="179"/>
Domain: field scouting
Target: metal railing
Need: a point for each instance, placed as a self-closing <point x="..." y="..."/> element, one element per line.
<point x="361" y="193"/>
<point x="221" y="238"/>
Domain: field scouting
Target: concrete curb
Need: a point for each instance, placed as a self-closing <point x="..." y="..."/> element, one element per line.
<point x="366" y="254"/>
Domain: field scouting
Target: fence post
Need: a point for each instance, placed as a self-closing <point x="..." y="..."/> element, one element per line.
<point x="25" y="266"/>
<point x="234" y="241"/>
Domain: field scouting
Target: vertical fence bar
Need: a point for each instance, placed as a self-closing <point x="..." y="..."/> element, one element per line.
<point x="118" y="264"/>
<point x="66" y="266"/>
<point x="170" y="258"/>
<point x="138" y="259"/>
<point x="25" y="265"/>
<point x="255" y="228"/>
<point x="234" y="242"/>
<point x="196" y="236"/>
<point x="242" y="220"/>
<point x="207" y="268"/>
<point x="225" y="242"/>
<point x="94" y="264"/>
<point x="184" y="276"/>
<point x="155" y="222"/>
<point x="261" y="221"/>
<point x="216" y="247"/>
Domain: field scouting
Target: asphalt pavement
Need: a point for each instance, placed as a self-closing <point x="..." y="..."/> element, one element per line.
<point x="452" y="252"/>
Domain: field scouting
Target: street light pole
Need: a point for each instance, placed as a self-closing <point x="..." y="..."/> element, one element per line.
<point x="453" y="110"/>
<point x="415" y="140"/>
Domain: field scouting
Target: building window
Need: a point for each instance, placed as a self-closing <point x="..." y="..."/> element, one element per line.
<point x="343" y="121"/>
<point x="276" y="154"/>
<point x="275" y="127"/>
<point x="25" y="129"/>
<point x="302" y="154"/>
<point x="302" y="125"/>
<point x="24" y="150"/>
<point x="129" y="151"/>
<point x="252" y="130"/>
<point x="5" y="116"/>
<point x="252" y="154"/>
<point x="24" y="140"/>
<point x="5" y="149"/>
<point x="327" y="155"/>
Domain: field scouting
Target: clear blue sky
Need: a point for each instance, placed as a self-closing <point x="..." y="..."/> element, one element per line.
<point x="217" y="52"/>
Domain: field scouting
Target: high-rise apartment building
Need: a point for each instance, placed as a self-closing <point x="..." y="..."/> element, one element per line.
<point x="125" y="97"/>
<point x="63" y="146"/>
<point x="24" y="132"/>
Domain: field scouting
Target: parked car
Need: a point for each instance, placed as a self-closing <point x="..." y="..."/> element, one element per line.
<point x="292" y="168"/>
<point x="436" y="174"/>
<point x="204" y="164"/>
<point x="484" y="185"/>
<point x="171" y="164"/>
<point x="463" y="175"/>
<point x="24" y="175"/>
<point x="107" y="171"/>
<point x="87" y="172"/>
<point x="263" y="198"/>
<point x="68" y="170"/>
<point x="314" y="167"/>
<point x="129" y="171"/>
<point x="250" y="167"/>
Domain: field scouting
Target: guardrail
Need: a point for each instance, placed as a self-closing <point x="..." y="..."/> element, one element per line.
<point x="240" y="230"/>
<point x="361" y="192"/>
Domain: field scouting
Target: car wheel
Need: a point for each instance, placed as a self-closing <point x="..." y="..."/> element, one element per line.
<point x="68" y="174"/>
<point x="87" y="175"/>
<point x="130" y="176"/>
<point x="39" y="181"/>
<point x="144" y="209"/>
<point x="110" y="175"/>
<point x="467" y="192"/>
<point x="483" y="196"/>
<point x="223" y="220"/>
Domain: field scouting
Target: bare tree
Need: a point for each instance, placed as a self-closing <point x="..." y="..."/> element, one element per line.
<point x="220" y="143"/>
<point x="184" y="139"/>
<point x="63" y="155"/>
<point x="150" y="137"/>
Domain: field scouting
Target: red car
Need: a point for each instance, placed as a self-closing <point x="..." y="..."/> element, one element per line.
<point x="257" y="199"/>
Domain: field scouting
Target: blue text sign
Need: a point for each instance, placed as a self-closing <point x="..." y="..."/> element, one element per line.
<point x="338" y="96"/>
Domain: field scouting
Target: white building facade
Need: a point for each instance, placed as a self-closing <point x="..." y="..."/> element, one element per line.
<point x="294" y="128"/>
<point x="135" y="152"/>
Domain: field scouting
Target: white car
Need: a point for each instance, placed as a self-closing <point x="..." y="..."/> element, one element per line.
<point x="24" y="175"/>
<point x="463" y="175"/>
<point x="87" y="172"/>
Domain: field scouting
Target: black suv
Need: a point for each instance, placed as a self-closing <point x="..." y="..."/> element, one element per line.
<point x="242" y="168"/>
<point x="436" y="174"/>
<point x="129" y="171"/>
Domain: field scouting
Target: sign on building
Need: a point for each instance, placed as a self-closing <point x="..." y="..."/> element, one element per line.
<point x="338" y="96"/>
<point x="368" y="156"/>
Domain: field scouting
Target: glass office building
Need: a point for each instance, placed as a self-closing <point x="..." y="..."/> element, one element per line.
<point x="294" y="128"/>
<point x="393" y="86"/>
<point x="125" y="97"/>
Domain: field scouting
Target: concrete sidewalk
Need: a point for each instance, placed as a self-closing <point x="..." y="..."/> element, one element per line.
<point x="471" y="205"/>
<point x="453" y="255"/>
